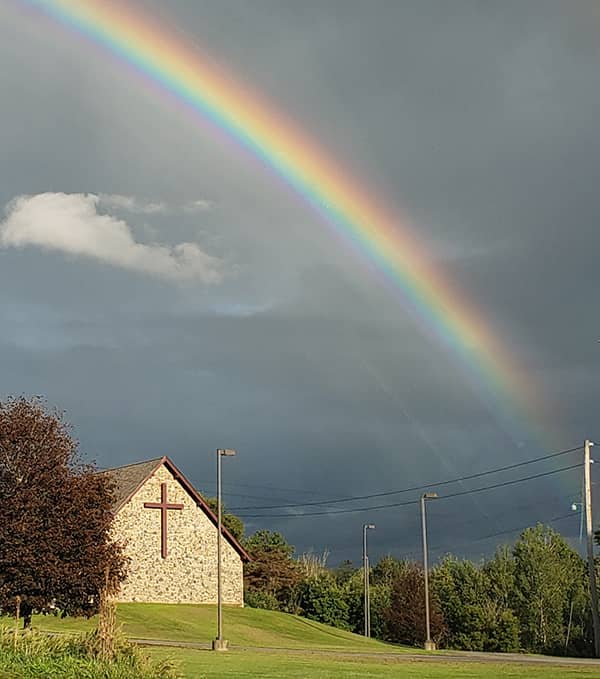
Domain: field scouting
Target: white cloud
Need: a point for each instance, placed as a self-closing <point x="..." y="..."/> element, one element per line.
<point x="131" y="204"/>
<point x="70" y="223"/>
<point x="135" y="205"/>
<point x="202" y="205"/>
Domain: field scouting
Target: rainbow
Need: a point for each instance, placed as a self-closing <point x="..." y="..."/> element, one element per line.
<point x="385" y="240"/>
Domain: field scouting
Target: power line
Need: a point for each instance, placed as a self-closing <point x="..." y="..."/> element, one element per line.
<point x="489" y="536"/>
<point x="555" y="519"/>
<point x="412" y="502"/>
<point x="510" y="483"/>
<point x="416" y="553"/>
<point x="413" y="488"/>
<point x="465" y="527"/>
<point x="272" y="487"/>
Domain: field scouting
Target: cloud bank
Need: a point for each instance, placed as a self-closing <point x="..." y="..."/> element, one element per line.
<point x="70" y="223"/>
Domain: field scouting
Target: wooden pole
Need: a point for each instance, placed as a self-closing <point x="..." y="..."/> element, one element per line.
<point x="17" y="616"/>
<point x="590" y="545"/>
<point x="365" y="583"/>
<point x="428" y="642"/>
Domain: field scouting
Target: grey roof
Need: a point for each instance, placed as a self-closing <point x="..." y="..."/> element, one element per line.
<point x="130" y="477"/>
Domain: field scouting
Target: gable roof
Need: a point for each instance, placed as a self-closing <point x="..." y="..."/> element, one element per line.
<point x="131" y="477"/>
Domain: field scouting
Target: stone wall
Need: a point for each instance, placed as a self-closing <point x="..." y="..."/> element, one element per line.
<point x="188" y="574"/>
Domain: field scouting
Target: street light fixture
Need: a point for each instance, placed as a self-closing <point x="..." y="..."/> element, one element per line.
<point x="574" y="507"/>
<point x="220" y="644"/>
<point x="367" y="598"/>
<point x="429" y="644"/>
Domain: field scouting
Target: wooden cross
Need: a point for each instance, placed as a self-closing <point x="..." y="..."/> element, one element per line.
<point x="163" y="505"/>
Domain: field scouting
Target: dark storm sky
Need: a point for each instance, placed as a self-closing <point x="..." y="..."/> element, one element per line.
<point x="477" y="120"/>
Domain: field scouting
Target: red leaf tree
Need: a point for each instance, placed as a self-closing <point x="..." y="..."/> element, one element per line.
<point x="55" y="517"/>
<point x="405" y="617"/>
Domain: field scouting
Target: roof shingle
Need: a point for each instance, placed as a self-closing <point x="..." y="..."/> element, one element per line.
<point x="129" y="478"/>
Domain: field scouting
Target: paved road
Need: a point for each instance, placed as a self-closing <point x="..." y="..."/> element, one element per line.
<point x="400" y="656"/>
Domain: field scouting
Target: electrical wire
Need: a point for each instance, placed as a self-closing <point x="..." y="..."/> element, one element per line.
<point x="510" y="531"/>
<point x="370" y="496"/>
<point x="412" y="502"/>
<point x="416" y="554"/>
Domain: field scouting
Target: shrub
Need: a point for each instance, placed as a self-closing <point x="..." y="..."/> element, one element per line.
<point x="34" y="655"/>
<point x="321" y="598"/>
<point x="257" y="599"/>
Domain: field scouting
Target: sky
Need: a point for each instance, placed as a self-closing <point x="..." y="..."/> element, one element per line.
<point x="173" y="295"/>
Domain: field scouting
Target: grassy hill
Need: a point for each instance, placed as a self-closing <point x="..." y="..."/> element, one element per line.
<point x="241" y="626"/>
<point x="260" y="629"/>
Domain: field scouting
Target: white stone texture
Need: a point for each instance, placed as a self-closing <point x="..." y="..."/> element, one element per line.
<point x="188" y="574"/>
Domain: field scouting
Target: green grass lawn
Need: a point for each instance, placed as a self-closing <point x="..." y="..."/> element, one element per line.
<point x="257" y="629"/>
<point x="253" y="664"/>
<point x="241" y="626"/>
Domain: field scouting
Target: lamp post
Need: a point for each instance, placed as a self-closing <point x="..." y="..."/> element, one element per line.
<point x="220" y="644"/>
<point x="367" y="599"/>
<point x="429" y="644"/>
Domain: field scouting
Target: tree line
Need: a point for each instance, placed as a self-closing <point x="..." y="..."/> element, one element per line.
<point x="532" y="596"/>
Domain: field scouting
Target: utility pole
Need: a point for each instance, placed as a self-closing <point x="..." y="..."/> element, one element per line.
<point x="587" y="499"/>
<point x="367" y="596"/>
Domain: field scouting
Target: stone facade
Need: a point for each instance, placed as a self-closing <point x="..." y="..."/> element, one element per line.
<point x="188" y="572"/>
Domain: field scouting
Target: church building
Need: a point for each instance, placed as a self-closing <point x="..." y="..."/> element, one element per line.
<point x="170" y="535"/>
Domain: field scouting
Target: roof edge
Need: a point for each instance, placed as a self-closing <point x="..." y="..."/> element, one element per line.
<point x="170" y="465"/>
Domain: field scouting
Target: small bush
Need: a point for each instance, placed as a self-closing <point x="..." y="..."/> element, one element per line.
<point x="257" y="599"/>
<point x="33" y="655"/>
<point x="321" y="598"/>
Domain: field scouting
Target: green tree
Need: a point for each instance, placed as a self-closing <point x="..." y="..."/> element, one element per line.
<point x="380" y="601"/>
<point x="475" y="619"/>
<point x="321" y="598"/>
<point x="500" y="574"/>
<point x="460" y="589"/>
<point x="550" y="589"/>
<point x="272" y="575"/>
<point x="502" y="625"/>
<point x="344" y="572"/>
<point x="388" y="570"/>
